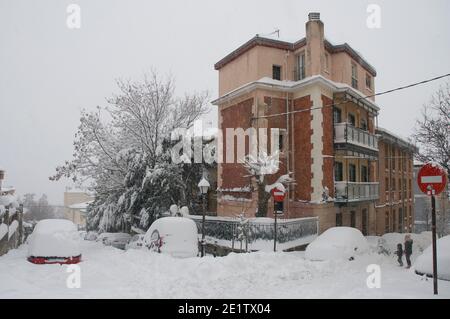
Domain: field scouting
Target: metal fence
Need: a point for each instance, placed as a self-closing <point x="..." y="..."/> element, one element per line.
<point x="234" y="230"/>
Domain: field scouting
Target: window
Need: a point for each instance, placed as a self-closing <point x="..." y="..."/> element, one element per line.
<point x="386" y="156"/>
<point x="281" y="137"/>
<point x="393" y="160"/>
<point x="300" y="72"/>
<point x="338" y="219"/>
<point x="276" y="72"/>
<point x="400" y="220"/>
<point x="351" y="119"/>
<point x="394" y="221"/>
<point x="354" y="76"/>
<point x="364" y="174"/>
<point x="364" y="124"/>
<point x="352" y="172"/>
<point x="338" y="172"/>
<point x="386" y="222"/>
<point x="352" y="219"/>
<point x="368" y="82"/>
<point x="337" y="115"/>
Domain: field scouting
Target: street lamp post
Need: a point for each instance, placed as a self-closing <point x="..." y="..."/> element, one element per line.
<point x="203" y="185"/>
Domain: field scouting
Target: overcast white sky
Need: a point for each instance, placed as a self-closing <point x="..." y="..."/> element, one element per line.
<point x="48" y="72"/>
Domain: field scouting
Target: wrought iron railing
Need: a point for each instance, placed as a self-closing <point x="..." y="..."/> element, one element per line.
<point x="229" y="229"/>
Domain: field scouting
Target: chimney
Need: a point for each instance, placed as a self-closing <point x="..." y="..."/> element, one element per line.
<point x="315" y="48"/>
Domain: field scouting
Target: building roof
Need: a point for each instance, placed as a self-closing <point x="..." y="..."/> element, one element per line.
<point x="292" y="46"/>
<point x="392" y="138"/>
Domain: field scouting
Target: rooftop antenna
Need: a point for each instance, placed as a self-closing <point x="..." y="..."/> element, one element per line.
<point x="277" y="31"/>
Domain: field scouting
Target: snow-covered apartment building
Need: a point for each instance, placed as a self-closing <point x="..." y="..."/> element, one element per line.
<point x="313" y="91"/>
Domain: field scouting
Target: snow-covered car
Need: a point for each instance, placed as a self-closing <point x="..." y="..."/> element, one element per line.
<point x="176" y="236"/>
<point x="424" y="263"/>
<point x="117" y="240"/>
<point x="337" y="243"/>
<point x="54" y="241"/>
<point x="136" y="242"/>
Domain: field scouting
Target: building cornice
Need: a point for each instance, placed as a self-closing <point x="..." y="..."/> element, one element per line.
<point x="293" y="86"/>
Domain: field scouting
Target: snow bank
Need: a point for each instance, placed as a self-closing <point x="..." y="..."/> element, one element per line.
<point x="337" y="243"/>
<point x="54" y="238"/>
<point x="424" y="263"/>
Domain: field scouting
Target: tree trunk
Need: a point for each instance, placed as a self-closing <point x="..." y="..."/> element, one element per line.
<point x="263" y="197"/>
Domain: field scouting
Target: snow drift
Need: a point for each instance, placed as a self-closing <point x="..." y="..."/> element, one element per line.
<point x="54" y="238"/>
<point x="337" y="243"/>
<point x="424" y="263"/>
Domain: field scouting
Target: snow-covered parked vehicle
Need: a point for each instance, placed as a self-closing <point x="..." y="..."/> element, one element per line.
<point x="337" y="243"/>
<point x="176" y="236"/>
<point x="424" y="263"/>
<point x="117" y="240"/>
<point x="54" y="241"/>
<point x="136" y="242"/>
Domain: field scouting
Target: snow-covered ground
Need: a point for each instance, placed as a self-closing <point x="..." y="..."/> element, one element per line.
<point x="107" y="272"/>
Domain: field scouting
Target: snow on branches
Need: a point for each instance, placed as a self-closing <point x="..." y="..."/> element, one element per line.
<point x="122" y="152"/>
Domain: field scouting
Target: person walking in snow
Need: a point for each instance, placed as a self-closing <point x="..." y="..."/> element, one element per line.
<point x="408" y="249"/>
<point x="399" y="254"/>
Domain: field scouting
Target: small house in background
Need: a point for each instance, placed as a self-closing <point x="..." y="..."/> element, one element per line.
<point x="76" y="202"/>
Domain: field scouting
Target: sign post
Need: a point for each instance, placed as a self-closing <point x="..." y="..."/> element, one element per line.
<point x="278" y="197"/>
<point x="431" y="181"/>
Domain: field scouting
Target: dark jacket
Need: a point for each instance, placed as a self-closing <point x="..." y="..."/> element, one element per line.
<point x="399" y="251"/>
<point x="408" y="247"/>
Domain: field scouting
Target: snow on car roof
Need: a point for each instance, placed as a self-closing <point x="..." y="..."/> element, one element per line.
<point x="48" y="226"/>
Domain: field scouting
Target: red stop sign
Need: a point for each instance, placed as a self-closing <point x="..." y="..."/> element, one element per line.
<point x="278" y="195"/>
<point x="431" y="179"/>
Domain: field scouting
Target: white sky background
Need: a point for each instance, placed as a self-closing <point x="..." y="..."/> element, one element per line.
<point x="48" y="72"/>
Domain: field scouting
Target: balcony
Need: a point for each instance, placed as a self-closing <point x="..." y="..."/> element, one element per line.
<point x="345" y="133"/>
<point x="355" y="192"/>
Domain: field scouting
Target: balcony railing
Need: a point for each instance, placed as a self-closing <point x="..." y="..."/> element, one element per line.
<point x="346" y="133"/>
<point x="354" y="191"/>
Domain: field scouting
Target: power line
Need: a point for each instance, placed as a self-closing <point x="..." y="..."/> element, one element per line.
<point x="357" y="99"/>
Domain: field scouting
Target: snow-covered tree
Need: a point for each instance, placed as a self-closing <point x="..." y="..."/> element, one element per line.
<point x="260" y="167"/>
<point x="122" y="152"/>
<point x="432" y="134"/>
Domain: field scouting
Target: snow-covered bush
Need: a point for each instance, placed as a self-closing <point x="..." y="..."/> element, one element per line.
<point x="337" y="243"/>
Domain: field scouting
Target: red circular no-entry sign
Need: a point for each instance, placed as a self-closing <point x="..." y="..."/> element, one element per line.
<point x="278" y="194"/>
<point x="431" y="179"/>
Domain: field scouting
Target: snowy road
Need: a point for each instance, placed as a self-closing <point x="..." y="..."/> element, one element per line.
<point x="107" y="272"/>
